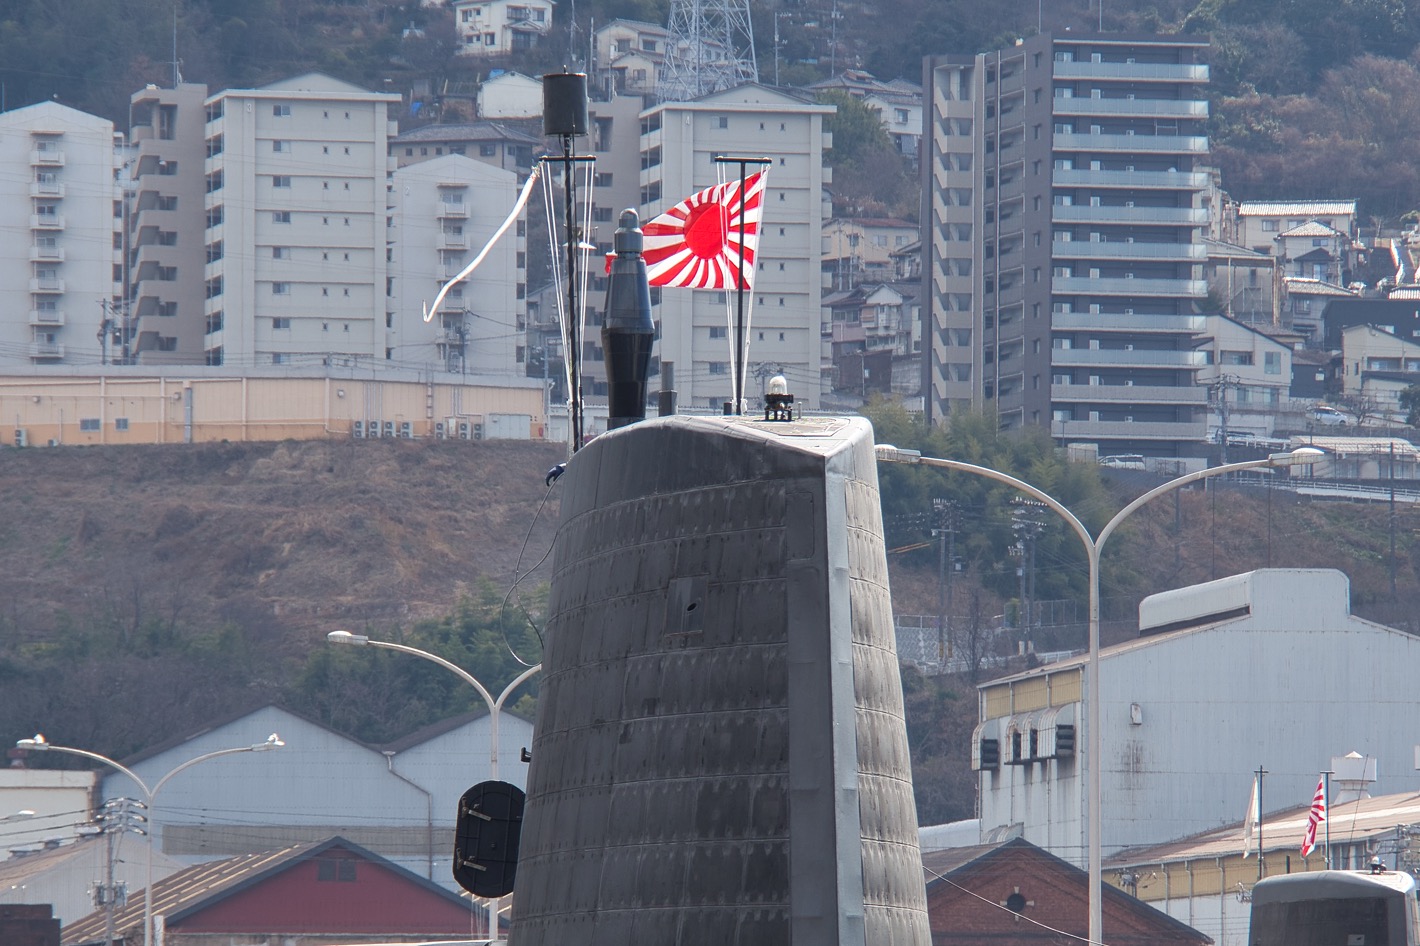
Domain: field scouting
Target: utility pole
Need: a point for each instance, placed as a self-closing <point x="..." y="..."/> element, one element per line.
<point x="1027" y="525"/>
<point x="116" y="817"/>
<point x="946" y="533"/>
<point x="105" y="326"/>
<point x="1393" y="596"/>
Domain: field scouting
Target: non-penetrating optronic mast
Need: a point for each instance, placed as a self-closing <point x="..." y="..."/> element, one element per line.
<point x="711" y="47"/>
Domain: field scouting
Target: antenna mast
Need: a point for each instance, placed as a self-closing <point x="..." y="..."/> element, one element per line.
<point x="711" y="48"/>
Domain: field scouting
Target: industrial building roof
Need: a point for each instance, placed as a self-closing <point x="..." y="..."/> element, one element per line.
<point x="1281" y="830"/>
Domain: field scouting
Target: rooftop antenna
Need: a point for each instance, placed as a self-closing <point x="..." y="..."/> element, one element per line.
<point x="711" y="47"/>
<point x="177" y="64"/>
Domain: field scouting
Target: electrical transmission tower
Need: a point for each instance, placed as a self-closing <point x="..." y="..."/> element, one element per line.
<point x="711" y="47"/>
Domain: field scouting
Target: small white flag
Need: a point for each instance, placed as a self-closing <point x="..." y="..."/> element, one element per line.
<point x="1254" y="815"/>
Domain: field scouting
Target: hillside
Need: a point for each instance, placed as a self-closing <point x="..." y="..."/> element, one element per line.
<point x="147" y="590"/>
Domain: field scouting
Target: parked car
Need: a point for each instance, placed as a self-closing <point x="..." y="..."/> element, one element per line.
<point x="1123" y="461"/>
<point x="1330" y="417"/>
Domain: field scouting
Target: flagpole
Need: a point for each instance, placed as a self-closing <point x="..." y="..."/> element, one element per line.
<point x="741" y="353"/>
<point x="1326" y="792"/>
<point x="1260" y="855"/>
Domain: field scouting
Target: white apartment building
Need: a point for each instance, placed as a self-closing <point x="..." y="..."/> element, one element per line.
<point x="499" y="27"/>
<point x="678" y="143"/>
<point x="445" y="211"/>
<point x="61" y="268"/>
<point x="296" y="224"/>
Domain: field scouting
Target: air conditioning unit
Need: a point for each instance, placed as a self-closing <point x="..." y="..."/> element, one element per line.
<point x="357" y="429"/>
<point x="440" y="431"/>
<point x="463" y="430"/>
<point x="406" y="430"/>
<point x="22" y="437"/>
<point x="389" y="428"/>
<point x="477" y="431"/>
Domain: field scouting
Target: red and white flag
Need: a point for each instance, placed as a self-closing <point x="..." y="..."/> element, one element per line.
<point x="697" y="243"/>
<point x="1316" y="817"/>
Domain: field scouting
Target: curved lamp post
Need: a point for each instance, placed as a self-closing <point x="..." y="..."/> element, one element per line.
<point x="1093" y="546"/>
<point x="38" y="744"/>
<point x="495" y="707"/>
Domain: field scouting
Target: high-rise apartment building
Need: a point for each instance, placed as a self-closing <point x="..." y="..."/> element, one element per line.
<point x="679" y="141"/>
<point x="164" y="317"/>
<point x="445" y="211"/>
<point x="297" y="192"/>
<point x="1062" y="253"/>
<point x="61" y="266"/>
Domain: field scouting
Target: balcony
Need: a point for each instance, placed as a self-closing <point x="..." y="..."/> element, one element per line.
<point x="1133" y="180"/>
<point x="46" y="254"/>
<point x="46" y="316"/>
<point x="46" y="221"/>
<point x="1132" y="144"/>
<point x="46" y="350"/>
<point x="453" y="211"/>
<point x="1087" y="250"/>
<point x="49" y="158"/>
<point x="1086" y="430"/>
<point x="1102" y="286"/>
<point x="46" y="189"/>
<point x="1133" y="71"/>
<point x="1125" y="358"/>
<point x="1133" y="108"/>
<point x="1128" y="394"/>
<point x="1137" y="324"/>
<point x="1139" y="216"/>
<point x="47" y="285"/>
<point x="453" y="241"/>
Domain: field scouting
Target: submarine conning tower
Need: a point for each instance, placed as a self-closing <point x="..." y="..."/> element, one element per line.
<point x="719" y="756"/>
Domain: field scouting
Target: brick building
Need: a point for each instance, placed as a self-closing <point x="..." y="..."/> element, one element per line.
<point x="1016" y="894"/>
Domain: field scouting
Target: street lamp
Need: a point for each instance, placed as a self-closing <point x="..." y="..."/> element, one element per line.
<point x="1093" y="546"/>
<point x="494" y="708"/>
<point x="38" y="744"/>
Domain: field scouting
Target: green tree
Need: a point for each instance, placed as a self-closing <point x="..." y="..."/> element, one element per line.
<point x="1410" y="403"/>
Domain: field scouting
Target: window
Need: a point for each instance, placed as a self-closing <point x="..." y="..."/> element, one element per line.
<point x="121" y="423"/>
<point x="280" y="252"/>
<point x="281" y="323"/>
<point x="1272" y="362"/>
<point x="281" y="111"/>
<point x="488" y="150"/>
<point x="87" y="424"/>
<point x="167" y="203"/>
<point x="1269" y="226"/>
<point x="281" y="146"/>
<point x="718" y="331"/>
<point x="280" y="216"/>
<point x="280" y="289"/>
<point x="723" y="121"/>
<point x="719" y="367"/>
<point x="281" y="180"/>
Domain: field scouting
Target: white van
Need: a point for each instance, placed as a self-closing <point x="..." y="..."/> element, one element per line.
<point x="1124" y="461"/>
